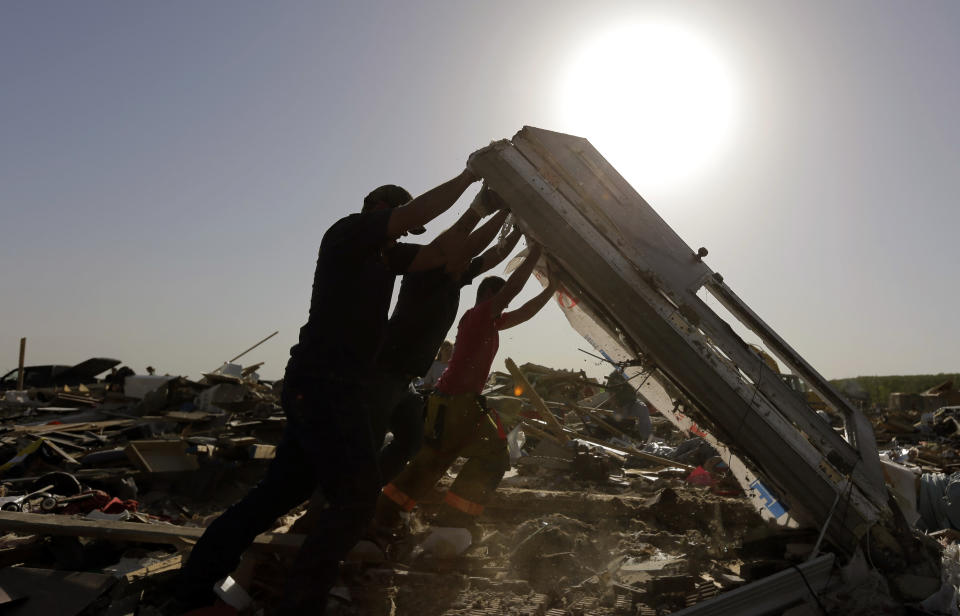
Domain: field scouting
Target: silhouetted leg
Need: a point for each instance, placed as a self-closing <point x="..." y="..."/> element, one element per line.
<point x="289" y="481"/>
<point x="406" y="424"/>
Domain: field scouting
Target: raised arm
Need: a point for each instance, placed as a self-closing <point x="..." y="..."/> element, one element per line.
<point x="448" y="247"/>
<point x="500" y="251"/>
<point x="453" y="240"/>
<point x="516" y="281"/>
<point x="454" y="248"/>
<point x="532" y="307"/>
<point x="421" y="210"/>
<point x="479" y="239"/>
<point x="465" y="224"/>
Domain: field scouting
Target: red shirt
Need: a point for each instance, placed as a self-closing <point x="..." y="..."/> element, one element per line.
<point x="478" y="338"/>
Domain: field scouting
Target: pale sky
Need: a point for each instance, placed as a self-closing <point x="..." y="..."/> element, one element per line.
<point x="167" y="169"/>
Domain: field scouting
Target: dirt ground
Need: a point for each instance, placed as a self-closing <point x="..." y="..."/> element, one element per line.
<point x="551" y="542"/>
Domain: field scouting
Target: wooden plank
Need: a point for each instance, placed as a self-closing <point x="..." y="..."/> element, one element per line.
<point x="540" y="433"/>
<point x="633" y="450"/>
<point x="63" y="442"/>
<point x="536" y="400"/>
<point x="168" y="564"/>
<point x="188" y="416"/>
<point x="607" y="449"/>
<point x="262" y="452"/>
<point x="69" y="436"/>
<point x="236" y="441"/>
<point x="613" y="452"/>
<point x="60" y="452"/>
<point x="93" y="426"/>
<point x="23" y="350"/>
<point x="161" y="456"/>
<point x="167" y="534"/>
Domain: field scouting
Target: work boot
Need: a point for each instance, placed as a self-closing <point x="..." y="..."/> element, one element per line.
<point x="339" y="602"/>
<point x="385" y="530"/>
<point x="187" y="598"/>
<point x="447" y="541"/>
<point x="454" y="518"/>
<point x="387" y="516"/>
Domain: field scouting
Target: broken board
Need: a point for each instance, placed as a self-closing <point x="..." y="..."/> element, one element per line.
<point x="44" y="592"/>
<point x="168" y="534"/>
<point x="634" y="279"/>
<point x="161" y="456"/>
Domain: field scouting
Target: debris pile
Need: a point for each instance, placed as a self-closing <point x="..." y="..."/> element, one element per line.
<point x="119" y="475"/>
<point x="711" y="486"/>
<point x="591" y="519"/>
<point x="934" y="398"/>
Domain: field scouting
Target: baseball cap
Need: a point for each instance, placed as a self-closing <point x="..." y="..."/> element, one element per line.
<point x="393" y="196"/>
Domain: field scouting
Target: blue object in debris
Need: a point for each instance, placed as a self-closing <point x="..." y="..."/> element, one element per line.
<point x="769" y="501"/>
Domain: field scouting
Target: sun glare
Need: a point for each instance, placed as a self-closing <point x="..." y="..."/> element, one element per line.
<point x="654" y="99"/>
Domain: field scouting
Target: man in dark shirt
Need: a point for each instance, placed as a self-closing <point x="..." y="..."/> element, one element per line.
<point x="426" y="309"/>
<point x="333" y="433"/>
<point x="630" y="415"/>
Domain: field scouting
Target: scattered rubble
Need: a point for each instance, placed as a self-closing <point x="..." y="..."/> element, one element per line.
<point x="743" y="501"/>
<point x="590" y="520"/>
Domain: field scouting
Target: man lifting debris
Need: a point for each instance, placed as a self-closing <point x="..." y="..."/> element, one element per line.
<point x="335" y="425"/>
<point x="457" y="422"/>
<point x="425" y="310"/>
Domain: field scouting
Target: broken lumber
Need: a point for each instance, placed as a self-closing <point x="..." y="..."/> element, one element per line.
<point x="55" y="448"/>
<point x="632" y="450"/>
<point x="77" y="427"/>
<point x="161" y="456"/>
<point x="169" y="564"/>
<point x="535" y="399"/>
<point x="23" y="349"/>
<point x="534" y="430"/>
<point x="168" y="534"/>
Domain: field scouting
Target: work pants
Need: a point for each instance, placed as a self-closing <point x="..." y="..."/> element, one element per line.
<point x="405" y="422"/>
<point x="455" y="426"/>
<point x="402" y="407"/>
<point x="331" y="443"/>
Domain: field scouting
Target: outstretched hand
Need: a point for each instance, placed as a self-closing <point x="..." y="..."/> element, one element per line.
<point x="487" y="202"/>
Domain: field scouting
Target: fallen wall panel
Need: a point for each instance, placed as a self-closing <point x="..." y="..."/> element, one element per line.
<point x="637" y="281"/>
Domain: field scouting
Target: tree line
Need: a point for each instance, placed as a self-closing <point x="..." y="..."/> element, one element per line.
<point x="879" y="388"/>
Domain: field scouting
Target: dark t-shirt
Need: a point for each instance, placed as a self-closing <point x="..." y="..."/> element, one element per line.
<point x="426" y="308"/>
<point x="623" y="392"/>
<point x="352" y="287"/>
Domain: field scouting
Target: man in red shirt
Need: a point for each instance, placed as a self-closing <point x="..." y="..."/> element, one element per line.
<point x="457" y="423"/>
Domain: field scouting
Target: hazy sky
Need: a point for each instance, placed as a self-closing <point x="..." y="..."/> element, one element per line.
<point x="167" y="169"/>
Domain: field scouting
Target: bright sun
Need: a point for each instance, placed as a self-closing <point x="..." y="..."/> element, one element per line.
<point x="654" y="99"/>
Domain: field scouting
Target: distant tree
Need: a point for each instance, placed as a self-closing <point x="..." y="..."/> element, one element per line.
<point x="879" y="388"/>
